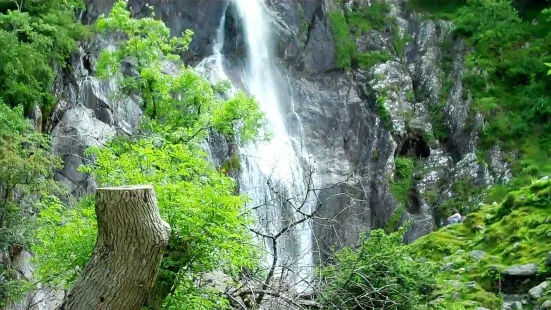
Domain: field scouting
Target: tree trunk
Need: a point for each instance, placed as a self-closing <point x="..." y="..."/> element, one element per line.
<point x="129" y="247"/>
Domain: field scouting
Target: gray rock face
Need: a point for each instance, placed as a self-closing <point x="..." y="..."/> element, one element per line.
<point x="22" y="269"/>
<point x="521" y="270"/>
<point x="338" y="120"/>
<point x="447" y="266"/>
<point x="77" y="130"/>
<point x="88" y="114"/>
<point x="514" y="301"/>
<point x="330" y="110"/>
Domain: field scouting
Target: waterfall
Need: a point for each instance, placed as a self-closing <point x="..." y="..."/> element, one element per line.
<point x="275" y="174"/>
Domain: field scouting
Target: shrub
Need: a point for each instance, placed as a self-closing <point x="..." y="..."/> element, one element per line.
<point x="379" y="275"/>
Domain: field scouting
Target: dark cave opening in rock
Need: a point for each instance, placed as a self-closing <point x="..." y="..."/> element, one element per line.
<point x="415" y="146"/>
<point x="414" y="205"/>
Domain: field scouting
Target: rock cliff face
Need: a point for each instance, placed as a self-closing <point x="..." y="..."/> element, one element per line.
<point x="354" y="138"/>
<point x="345" y="128"/>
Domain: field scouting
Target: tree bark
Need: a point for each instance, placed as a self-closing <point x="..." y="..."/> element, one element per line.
<point x="131" y="240"/>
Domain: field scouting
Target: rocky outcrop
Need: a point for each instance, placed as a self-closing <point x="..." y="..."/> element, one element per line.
<point x="342" y="124"/>
<point x="89" y="113"/>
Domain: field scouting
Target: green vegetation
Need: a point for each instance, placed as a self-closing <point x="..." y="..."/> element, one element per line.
<point x="379" y="275"/>
<point x="345" y="47"/>
<point x="35" y="35"/>
<point x="369" y="59"/>
<point x="400" y="188"/>
<point x="512" y="232"/>
<point x="26" y="170"/>
<point x="383" y="113"/>
<point x="464" y="193"/>
<point x="208" y="220"/>
<point x="348" y="25"/>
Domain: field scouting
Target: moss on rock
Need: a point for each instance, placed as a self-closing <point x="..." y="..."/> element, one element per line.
<point x="515" y="232"/>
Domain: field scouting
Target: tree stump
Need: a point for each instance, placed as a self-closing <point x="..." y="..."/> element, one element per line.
<point x="129" y="247"/>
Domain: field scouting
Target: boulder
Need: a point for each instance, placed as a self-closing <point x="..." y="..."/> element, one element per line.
<point x="537" y="291"/>
<point x="521" y="270"/>
<point x="477" y="254"/>
<point x="447" y="266"/>
<point x="512" y="306"/>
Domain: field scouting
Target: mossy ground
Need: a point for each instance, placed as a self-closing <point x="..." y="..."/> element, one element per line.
<point x="516" y="231"/>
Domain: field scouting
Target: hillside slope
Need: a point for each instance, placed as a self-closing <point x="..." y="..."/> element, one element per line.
<point x="499" y="251"/>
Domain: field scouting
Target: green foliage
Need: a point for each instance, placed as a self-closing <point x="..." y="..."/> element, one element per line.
<point x="26" y="169"/>
<point x="65" y="239"/>
<point x="35" y="35"/>
<point x="400" y="189"/>
<point x="508" y="52"/>
<point x="443" y="9"/>
<point x="380" y="103"/>
<point x="182" y="102"/>
<point x="404" y="168"/>
<point x="410" y="96"/>
<point x="209" y="229"/>
<point x="349" y="24"/>
<point x="486" y="24"/>
<point x="400" y="42"/>
<point x="379" y="275"/>
<point x="401" y="185"/>
<point x="369" y="59"/>
<point x="208" y="226"/>
<point x="345" y="47"/>
<point x="362" y="18"/>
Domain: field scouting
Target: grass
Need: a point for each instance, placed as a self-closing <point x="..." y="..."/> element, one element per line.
<point x="371" y="58"/>
<point x="345" y="48"/>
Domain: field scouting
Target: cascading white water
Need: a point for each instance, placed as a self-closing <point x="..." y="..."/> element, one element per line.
<point x="273" y="172"/>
